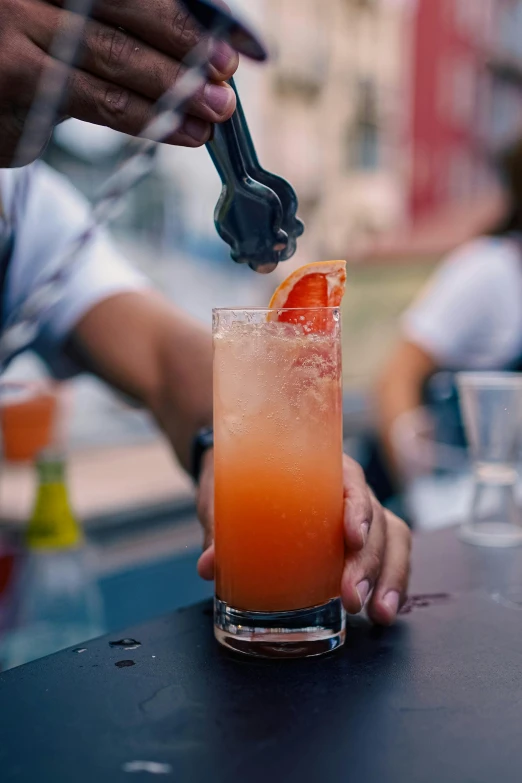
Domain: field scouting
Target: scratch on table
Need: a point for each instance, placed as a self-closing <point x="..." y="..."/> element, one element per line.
<point x="424" y="600"/>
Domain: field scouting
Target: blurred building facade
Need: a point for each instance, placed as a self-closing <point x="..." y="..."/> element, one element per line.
<point x="464" y="109"/>
<point x="334" y="116"/>
<point x="387" y="114"/>
<point x="506" y="68"/>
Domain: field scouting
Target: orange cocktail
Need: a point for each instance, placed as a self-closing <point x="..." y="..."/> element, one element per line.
<point x="278" y="480"/>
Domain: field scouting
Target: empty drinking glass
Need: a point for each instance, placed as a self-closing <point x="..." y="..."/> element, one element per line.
<point x="491" y="406"/>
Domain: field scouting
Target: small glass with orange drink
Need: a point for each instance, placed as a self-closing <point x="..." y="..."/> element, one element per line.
<point x="278" y="475"/>
<point x="28" y="414"/>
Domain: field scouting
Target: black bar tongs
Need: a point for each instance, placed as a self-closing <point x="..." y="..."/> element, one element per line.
<point x="256" y="213"/>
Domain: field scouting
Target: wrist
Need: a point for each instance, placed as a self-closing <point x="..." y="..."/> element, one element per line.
<point x="207" y="461"/>
<point x="202" y="446"/>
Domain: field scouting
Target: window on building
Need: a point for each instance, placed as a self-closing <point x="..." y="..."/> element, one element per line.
<point x="362" y="4"/>
<point x="364" y="140"/>
<point x="302" y="34"/>
<point x="463" y="91"/>
<point x="506" y="114"/>
<point x="460" y="175"/>
<point x="472" y="19"/>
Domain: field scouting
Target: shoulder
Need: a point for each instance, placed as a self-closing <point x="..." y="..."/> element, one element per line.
<point x="470" y="312"/>
<point x="51" y="215"/>
<point x="478" y="268"/>
<point x="51" y="194"/>
<point x="41" y="203"/>
<point x="483" y="260"/>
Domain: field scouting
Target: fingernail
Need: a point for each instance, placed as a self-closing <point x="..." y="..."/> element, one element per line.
<point x="391" y="600"/>
<point x="363" y="588"/>
<point x="365" y="527"/>
<point x="222" y="56"/>
<point x="196" y="129"/>
<point x="218" y="97"/>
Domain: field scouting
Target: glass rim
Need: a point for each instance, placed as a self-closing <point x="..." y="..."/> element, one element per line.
<point x="18" y="391"/>
<point x="490" y="379"/>
<point x="326" y="308"/>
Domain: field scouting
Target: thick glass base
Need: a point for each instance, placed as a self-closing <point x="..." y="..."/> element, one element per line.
<point x="297" y="634"/>
<point x="492" y="534"/>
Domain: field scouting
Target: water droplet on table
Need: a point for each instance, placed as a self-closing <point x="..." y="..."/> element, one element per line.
<point x="126" y="644"/>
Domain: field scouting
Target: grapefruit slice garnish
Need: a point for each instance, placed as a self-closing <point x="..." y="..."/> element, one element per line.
<point x="320" y="284"/>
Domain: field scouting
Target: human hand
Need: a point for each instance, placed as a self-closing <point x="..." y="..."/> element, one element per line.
<point x="377" y="545"/>
<point x="130" y="53"/>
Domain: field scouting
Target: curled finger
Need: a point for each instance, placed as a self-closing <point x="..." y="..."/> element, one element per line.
<point x="93" y="100"/>
<point x="358" y="505"/>
<point x="362" y="569"/>
<point x="390" y="591"/>
<point x="121" y="59"/>
<point x="206" y="564"/>
<point x="166" y="26"/>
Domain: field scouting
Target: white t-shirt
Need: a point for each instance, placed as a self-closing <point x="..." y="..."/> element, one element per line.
<point x="470" y="314"/>
<point x="46" y="213"/>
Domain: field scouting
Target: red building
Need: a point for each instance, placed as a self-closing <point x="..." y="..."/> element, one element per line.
<point x="462" y="110"/>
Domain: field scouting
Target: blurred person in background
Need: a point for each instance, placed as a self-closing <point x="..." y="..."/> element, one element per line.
<point x="469" y="317"/>
<point x="129" y="55"/>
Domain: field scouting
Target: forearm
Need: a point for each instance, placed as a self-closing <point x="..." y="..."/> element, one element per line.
<point x="156" y="354"/>
<point x="399" y="391"/>
<point x="395" y="397"/>
<point x="182" y="401"/>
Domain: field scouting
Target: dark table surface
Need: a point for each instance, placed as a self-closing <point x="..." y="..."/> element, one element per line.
<point x="437" y="698"/>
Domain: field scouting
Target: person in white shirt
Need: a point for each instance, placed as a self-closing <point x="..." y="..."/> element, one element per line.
<point x="109" y="320"/>
<point x="468" y="317"/>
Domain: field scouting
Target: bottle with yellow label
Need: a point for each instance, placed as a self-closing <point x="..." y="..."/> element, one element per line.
<point x="59" y="603"/>
<point x="52" y="524"/>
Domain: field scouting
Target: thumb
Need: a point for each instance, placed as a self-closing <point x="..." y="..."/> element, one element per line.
<point x="206" y="564"/>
